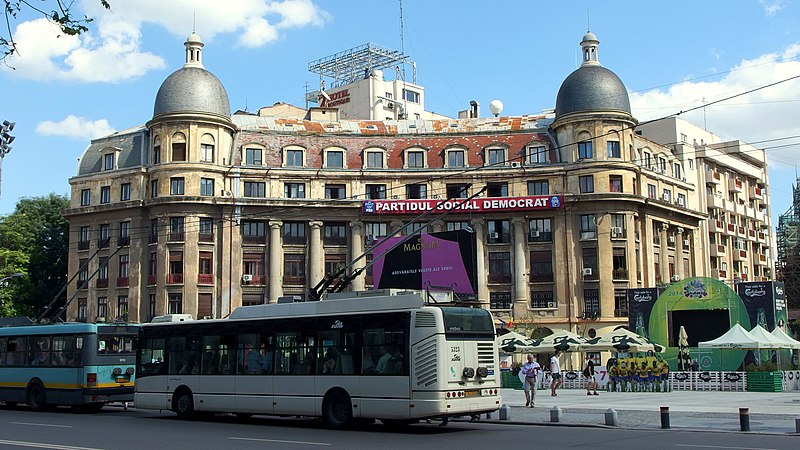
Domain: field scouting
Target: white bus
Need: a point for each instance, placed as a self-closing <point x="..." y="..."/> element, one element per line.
<point x="354" y="356"/>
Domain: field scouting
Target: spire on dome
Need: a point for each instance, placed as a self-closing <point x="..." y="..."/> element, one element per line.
<point x="194" y="51"/>
<point x="589" y="45"/>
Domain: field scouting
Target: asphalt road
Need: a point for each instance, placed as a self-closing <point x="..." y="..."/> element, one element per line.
<point x="114" y="428"/>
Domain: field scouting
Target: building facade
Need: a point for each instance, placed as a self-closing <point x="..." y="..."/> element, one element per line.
<point x="200" y="211"/>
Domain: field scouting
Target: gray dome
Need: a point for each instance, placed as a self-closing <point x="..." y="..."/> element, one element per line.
<point x="592" y="88"/>
<point x="192" y="89"/>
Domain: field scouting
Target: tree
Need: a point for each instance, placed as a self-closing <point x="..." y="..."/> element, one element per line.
<point x="61" y="13"/>
<point x="34" y="241"/>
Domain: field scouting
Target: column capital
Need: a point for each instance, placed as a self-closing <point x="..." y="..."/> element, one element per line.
<point x="275" y="224"/>
<point x="356" y="225"/>
<point x="519" y="220"/>
<point x="679" y="230"/>
<point x="664" y="226"/>
<point x="315" y="224"/>
<point x="477" y="225"/>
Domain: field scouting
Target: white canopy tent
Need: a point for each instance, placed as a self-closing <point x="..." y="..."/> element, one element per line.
<point x="766" y="338"/>
<point x="737" y="337"/>
<point x="781" y="336"/>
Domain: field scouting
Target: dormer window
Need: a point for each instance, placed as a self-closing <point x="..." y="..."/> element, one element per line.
<point x="415" y="159"/>
<point x="109" y="161"/>
<point x="373" y="159"/>
<point x="253" y="156"/>
<point x="495" y="156"/>
<point x="334" y="158"/>
<point x="538" y="154"/>
<point x="293" y="157"/>
<point x="456" y="158"/>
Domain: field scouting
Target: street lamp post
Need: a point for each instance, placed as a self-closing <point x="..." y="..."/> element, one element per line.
<point x="5" y="145"/>
<point x="13" y="275"/>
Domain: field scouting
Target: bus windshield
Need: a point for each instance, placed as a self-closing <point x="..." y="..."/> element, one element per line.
<point x="110" y="343"/>
<point x="460" y="323"/>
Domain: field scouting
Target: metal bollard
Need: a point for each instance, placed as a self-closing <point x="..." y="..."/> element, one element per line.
<point x="611" y="418"/>
<point x="744" y="419"/>
<point x="665" y="417"/>
<point x="555" y="414"/>
<point x="505" y="412"/>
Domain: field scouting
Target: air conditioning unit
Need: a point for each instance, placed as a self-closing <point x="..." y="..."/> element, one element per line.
<point x="551" y="304"/>
<point x="535" y="234"/>
<point x="247" y="278"/>
<point x="494" y="235"/>
<point x="685" y="242"/>
<point x="666" y="197"/>
<point x="616" y="231"/>
<point x="587" y="271"/>
<point x="370" y="238"/>
<point x="390" y="105"/>
<point x="681" y="201"/>
<point x="515" y="164"/>
<point x="671" y="240"/>
<point x="675" y="278"/>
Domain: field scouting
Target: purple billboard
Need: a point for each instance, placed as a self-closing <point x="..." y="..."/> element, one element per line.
<point x="443" y="260"/>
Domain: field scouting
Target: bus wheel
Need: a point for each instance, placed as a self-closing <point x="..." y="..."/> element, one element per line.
<point x="183" y="404"/>
<point x="337" y="411"/>
<point x="36" y="397"/>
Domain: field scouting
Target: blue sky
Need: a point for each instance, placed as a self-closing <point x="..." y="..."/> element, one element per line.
<point x="62" y="91"/>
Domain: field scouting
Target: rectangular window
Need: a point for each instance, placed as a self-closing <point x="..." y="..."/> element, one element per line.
<point x="335" y="191"/>
<point x="495" y="156"/>
<point x="294" y="190"/>
<point x="591" y="303"/>
<point x="334" y="233"/>
<point x="538" y="155"/>
<point x="253" y="232"/>
<point x="585" y="150"/>
<point x="294" y="233"/>
<point x="457" y="225"/>
<point x="124" y="233"/>
<point x="175" y="303"/>
<point x="156" y="154"/>
<point x="153" y="231"/>
<point x="651" y="191"/>
<point x="86" y="196"/>
<point x="179" y="151"/>
<point x="589" y="260"/>
<point x="615" y="183"/>
<point x="620" y="303"/>
<point x="206" y="230"/>
<point x="82" y="310"/>
<point x="334" y="263"/>
<point x="416" y="160"/>
<point x="207" y="152"/>
<point x="457" y="190"/>
<point x="416" y="191"/>
<point x="376" y="191"/>
<point x="207" y="186"/>
<point x="334" y="160"/>
<point x="151" y="306"/>
<point x="499" y="267"/>
<point x="588" y="226"/>
<point x="541" y="266"/>
<point x="205" y="266"/>
<point x="108" y="161"/>
<point x="294" y="158"/>
<point x="153" y="188"/>
<point x="498" y="231"/>
<point x="374" y="160"/>
<point x="542" y="299"/>
<point x="294" y="269"/>
<point x="253" y="265"/>
<point x="682" y="200"/>
<point x="256" y="189"/>
<point x="539" y="230"/>
<point x="175" y="275"/>
<point x="124" y="192"/>
<point x="83" y="272"/>
<point x="613" y="149"/>
<point x="455" y="158"/>
<point x="176" y="186"/>
<point x="102" y="273"/>
<point x="500" y="300"/>
<point x="105" y="194"/>
<point x="253" y="157"/>
<point x="102" y="307"/>
<point x="538" y="188"/>
<point x="411" y="96"/>
<point x="586" y="183"/>
<point x="105" y="235"/>
<point x="497" y="190"/>
<point x="374" y="231"/>
<point x="619" y="264"/>
<point x="122" y="308"/>
<point x="618" y="229"/>
<point x="667" y="195"/>
<point x="83" y="242"/>
<point x="176" y="229"/>
<point x="152" y="265"/>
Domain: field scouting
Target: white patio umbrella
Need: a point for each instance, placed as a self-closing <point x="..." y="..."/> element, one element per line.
<point x="683" y="350"/>
<point x="620" y="340"/>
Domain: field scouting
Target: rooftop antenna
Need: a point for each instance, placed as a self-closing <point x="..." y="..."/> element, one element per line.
<point x="402" y="38"/>
<point x="194" y="21"/>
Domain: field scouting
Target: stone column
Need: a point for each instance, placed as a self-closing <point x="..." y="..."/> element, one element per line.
<point x="316" y="256"/>
<point x="480" y="256"/>
<point x="679" y="253"/>
<point x="521" y="291"/>
<point x="275" y="261"/>
<point x="663" y="256"/>
<point x="356" y="250"/>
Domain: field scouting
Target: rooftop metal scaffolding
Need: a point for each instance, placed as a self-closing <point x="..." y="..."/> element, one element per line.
<point x="788" y="235"/>
<point x="358" y="62"/>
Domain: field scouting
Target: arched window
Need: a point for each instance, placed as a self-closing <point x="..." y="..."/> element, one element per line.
<point x="207" y="148"/>
<point x="585" y="150"/>
<point x="178" y="147"/>
<point x="156" y="150"/>
<point x="293" y="156"/>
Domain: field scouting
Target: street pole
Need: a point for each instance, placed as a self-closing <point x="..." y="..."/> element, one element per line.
<point x="5" y="145"/>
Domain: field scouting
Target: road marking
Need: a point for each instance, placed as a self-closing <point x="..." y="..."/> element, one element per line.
<point x="42" y="425"/>
<point x="43" y="445"/>
<point x="278" y="441"/>
<point x="720" y="446"/>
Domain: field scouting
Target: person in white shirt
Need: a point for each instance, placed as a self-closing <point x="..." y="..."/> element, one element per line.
<point x="530" y="369"/>
<point x="555" y="373"/>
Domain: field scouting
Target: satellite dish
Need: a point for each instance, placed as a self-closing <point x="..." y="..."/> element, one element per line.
<point x="496" y="107"/>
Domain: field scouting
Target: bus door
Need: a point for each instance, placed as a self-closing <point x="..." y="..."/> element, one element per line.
<point x="255" y="362"/>
<point x="217" y="369"/>
<point x="295" y="366"/>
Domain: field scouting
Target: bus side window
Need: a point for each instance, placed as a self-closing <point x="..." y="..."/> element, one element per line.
<point x="2" y="351"/>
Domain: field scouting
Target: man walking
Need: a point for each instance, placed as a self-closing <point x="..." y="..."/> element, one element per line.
<point x="589" y="373"/>
<point x="555" y="373"/>
<point x="530" y="369"/>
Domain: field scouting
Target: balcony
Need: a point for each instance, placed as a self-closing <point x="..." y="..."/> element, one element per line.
<point x="762" y="260"/>
<point x="103" y="243"/>
<point x="498" y="238"/>
<point x="716" y="273"/>
<point x="762" y="238"/>
<point x="585" y="235"/>
<point x="618" y="233"/>
<point x="175" y="278"/>
<point x="205" y="278"/>
<point x="122" y="282"/>
<point x="79" y="284"/>
<point x="718" y="250"/>
<point x="713" y="177"/>
<point x="735" y="185"/>
<point x="541" y="278"/>
<point x="715" y="201"/>
<point x="205" y="237"/>
<point x="751" y="234"/>
<point x="151" y="280"/>
<point x="620" y="274"/>
<point x="83" y="245"/>
<point x="175" y="236"/>
<point x="102" y="282"/>
<point x="716" y="226"/>
<point x="123" y="241"/>
<point x="756" y="192"/>
<point x="731" y="228"/>
<point x="254" y="240"/>
<point x="740" y="255"/>
<point x="740" y="231"/>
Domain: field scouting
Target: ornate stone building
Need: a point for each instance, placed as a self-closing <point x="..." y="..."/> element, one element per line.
<point x="200" y="211"/>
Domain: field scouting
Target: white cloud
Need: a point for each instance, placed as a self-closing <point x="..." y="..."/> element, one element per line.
<point x="76" y="128"/>
<point x="771" y="7"/>
<point x="767" y="113"/>
<point x="111" y="51"/>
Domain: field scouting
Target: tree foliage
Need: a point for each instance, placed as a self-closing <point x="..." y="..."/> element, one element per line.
<point x="34" y="241"/>
<point x="60" y="12"/>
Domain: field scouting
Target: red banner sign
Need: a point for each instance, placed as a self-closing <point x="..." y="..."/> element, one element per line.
<point x="490" y="204"/>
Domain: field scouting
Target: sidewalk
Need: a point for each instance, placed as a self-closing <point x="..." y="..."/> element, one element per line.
<point x="689" y="410"/>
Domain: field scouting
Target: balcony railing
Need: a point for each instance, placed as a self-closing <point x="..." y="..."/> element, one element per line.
<point x="254" y="240"/>
<point x="175" y="278"/>
<point x="205" y="237"/>
<point x="541" y="277"/>
<point x="175" y="236"/>
<point x="205" y="278"/>
<point x="498" y="238"/>
<point x="620" y="274"/>
<point x="102" y="282"/>
<point x="123" y="241"/>
<point x="151" y="280"/>
<point x="122" y="281"/>
<point x="83" y="245"/>
<point x="103" y="243"/>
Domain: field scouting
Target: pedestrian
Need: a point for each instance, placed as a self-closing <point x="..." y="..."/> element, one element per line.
<point x="555" y="373"/>
<point x="589" y="373"/>
<point x="531" y="371"/>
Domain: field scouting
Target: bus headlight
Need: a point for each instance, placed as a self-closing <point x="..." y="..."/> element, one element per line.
<point x="482" y="372"/>
<point x="117" y="371"/>
<point x="129" y="370"/>
<point x="468" y="372"/>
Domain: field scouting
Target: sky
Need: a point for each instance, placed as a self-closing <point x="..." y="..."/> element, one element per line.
<point x="62" y="91"/>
